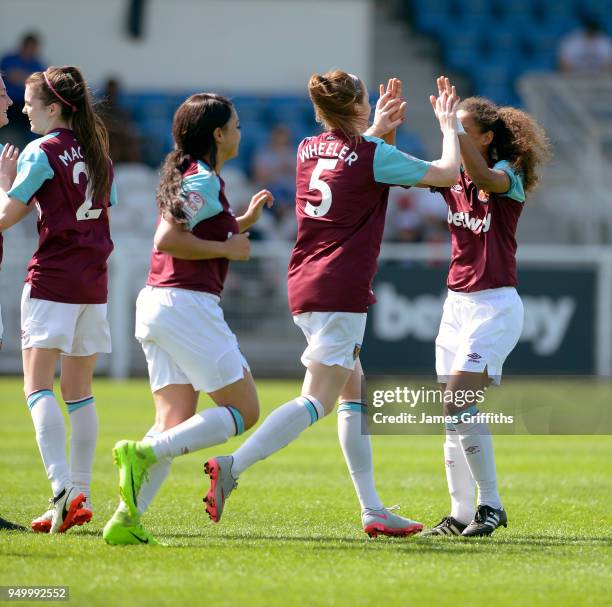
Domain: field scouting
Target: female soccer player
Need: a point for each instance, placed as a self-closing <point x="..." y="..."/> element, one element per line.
<point x="188" y="345"/>
<point x="343" y="179"/>
<point x="502" y="149"/>
<point x="67" y="175"/>
<point x="5" y="103"/>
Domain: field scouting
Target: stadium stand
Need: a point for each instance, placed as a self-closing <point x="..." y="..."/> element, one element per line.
<point x="495" y="42"/>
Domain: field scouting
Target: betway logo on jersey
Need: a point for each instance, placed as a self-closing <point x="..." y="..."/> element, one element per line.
<point x="464" y="219"/>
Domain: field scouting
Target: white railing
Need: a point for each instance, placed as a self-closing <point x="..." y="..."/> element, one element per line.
<point x="576" y="113"/>
<point x="255" y="301"/>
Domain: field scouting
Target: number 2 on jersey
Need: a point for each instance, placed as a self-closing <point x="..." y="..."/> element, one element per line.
<point x="84" y="211"/>
<point x="324" y="164"/>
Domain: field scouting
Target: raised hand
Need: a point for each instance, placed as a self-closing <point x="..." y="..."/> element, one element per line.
<point x="389" y="112"/>
<point x="445" y="104"/>
<point x="261" y="199"/>
<point x="8" y="166"/>
<point x="394" y="89"/>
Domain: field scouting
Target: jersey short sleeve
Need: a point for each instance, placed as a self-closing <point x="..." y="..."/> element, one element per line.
<point x="201" y="197"/>
<point x="113" y="194"/>
<point x="516" y="191"/>
<point x="394" y="167"/>
<point x="33" y="169"/>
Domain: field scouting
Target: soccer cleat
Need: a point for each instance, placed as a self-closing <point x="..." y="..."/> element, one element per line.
<point x="122" y="529"/>
<point x="42" y="524"/>
<point x="133" y="460"/>
<point x="447" y="526"/>
<point x="65" y="508"/>
<point x="384" y="522"/>
<point x="8" y="526"/>
<point x="222" y="483"/>
<point x="486" y="521"/>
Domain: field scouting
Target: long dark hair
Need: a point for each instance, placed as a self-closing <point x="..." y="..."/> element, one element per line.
<point x="517" y="137"/>
<point x="79" y="112"/>
<point x="193" y="130"/>
<point x="335" y="96"/>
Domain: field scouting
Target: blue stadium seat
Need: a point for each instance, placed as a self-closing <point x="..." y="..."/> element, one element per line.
<point x="250" y="108"/>
<point x="512" y="8"/>
<point x="434" y="24"/>
<point x="462" y="59"/>
<point x="288" y="111"/>
<point x="475" y="7"/>
<point x="558" y="8"/>
<point x="441" y="7"/>
<point x="559" y="25"/>
<point x="410" y="143"/>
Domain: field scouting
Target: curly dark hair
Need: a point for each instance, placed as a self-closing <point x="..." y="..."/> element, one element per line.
<point x="193" y="130"/>
<point x="517" y="137"/>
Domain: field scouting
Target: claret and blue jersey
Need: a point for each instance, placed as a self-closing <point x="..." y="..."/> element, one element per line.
<point x="341" y="200"/>
<point x="74" y="236"/>
<point x="209" y="217"/>
<point x="483" y="232"/>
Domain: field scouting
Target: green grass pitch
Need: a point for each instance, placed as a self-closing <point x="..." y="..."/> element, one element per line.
<point x="290" y="533"/>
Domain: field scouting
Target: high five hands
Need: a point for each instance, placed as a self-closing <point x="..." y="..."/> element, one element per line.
<point x="445" y="104"/>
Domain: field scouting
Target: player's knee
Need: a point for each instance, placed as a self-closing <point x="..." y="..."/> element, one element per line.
<point x="250" y="414"/>
<point x="73" y="390"/>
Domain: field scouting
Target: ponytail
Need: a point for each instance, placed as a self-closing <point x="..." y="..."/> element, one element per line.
<point x="335" y="96"/>
<point x="169" y="193"/>
<point x="66" y="85"/>
<point x="193" y="128"/>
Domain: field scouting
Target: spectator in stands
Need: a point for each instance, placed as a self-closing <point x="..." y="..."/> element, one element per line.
<point x="416" y="215"/>
<point x="123" y="141"/>
<point x="16" y="67"/>
<point x="274" y="170"/>
<point x="587" y="50"/>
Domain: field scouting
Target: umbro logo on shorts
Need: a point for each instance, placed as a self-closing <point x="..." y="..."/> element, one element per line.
<point x="474" y="357"/>
<point x="472" y="450"/>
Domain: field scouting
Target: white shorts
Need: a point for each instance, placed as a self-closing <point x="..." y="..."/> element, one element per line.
<point x="478" y="331"/>
<point x="74" y="329"/>
<point x="334" y="338"/>
<point x="186" y="339"/>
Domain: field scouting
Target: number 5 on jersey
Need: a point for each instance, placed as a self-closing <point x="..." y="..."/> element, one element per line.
<point x="324" y="164"/>
<point x="84" y="211"/>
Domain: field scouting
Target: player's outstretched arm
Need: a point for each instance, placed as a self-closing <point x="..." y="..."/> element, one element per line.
<point x="11" y="209"/>
<point x="490" y="180"/>
<point x="444" y="172"/>
<point x="174" y="239"/>
<point x="253" y="213"/>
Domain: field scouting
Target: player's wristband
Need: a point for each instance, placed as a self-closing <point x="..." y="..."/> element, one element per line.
<point x="460" y="129"/>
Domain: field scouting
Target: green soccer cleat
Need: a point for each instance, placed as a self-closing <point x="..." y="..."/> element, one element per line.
<point x="133" y="460"/>
<point x="122" y="529"/>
